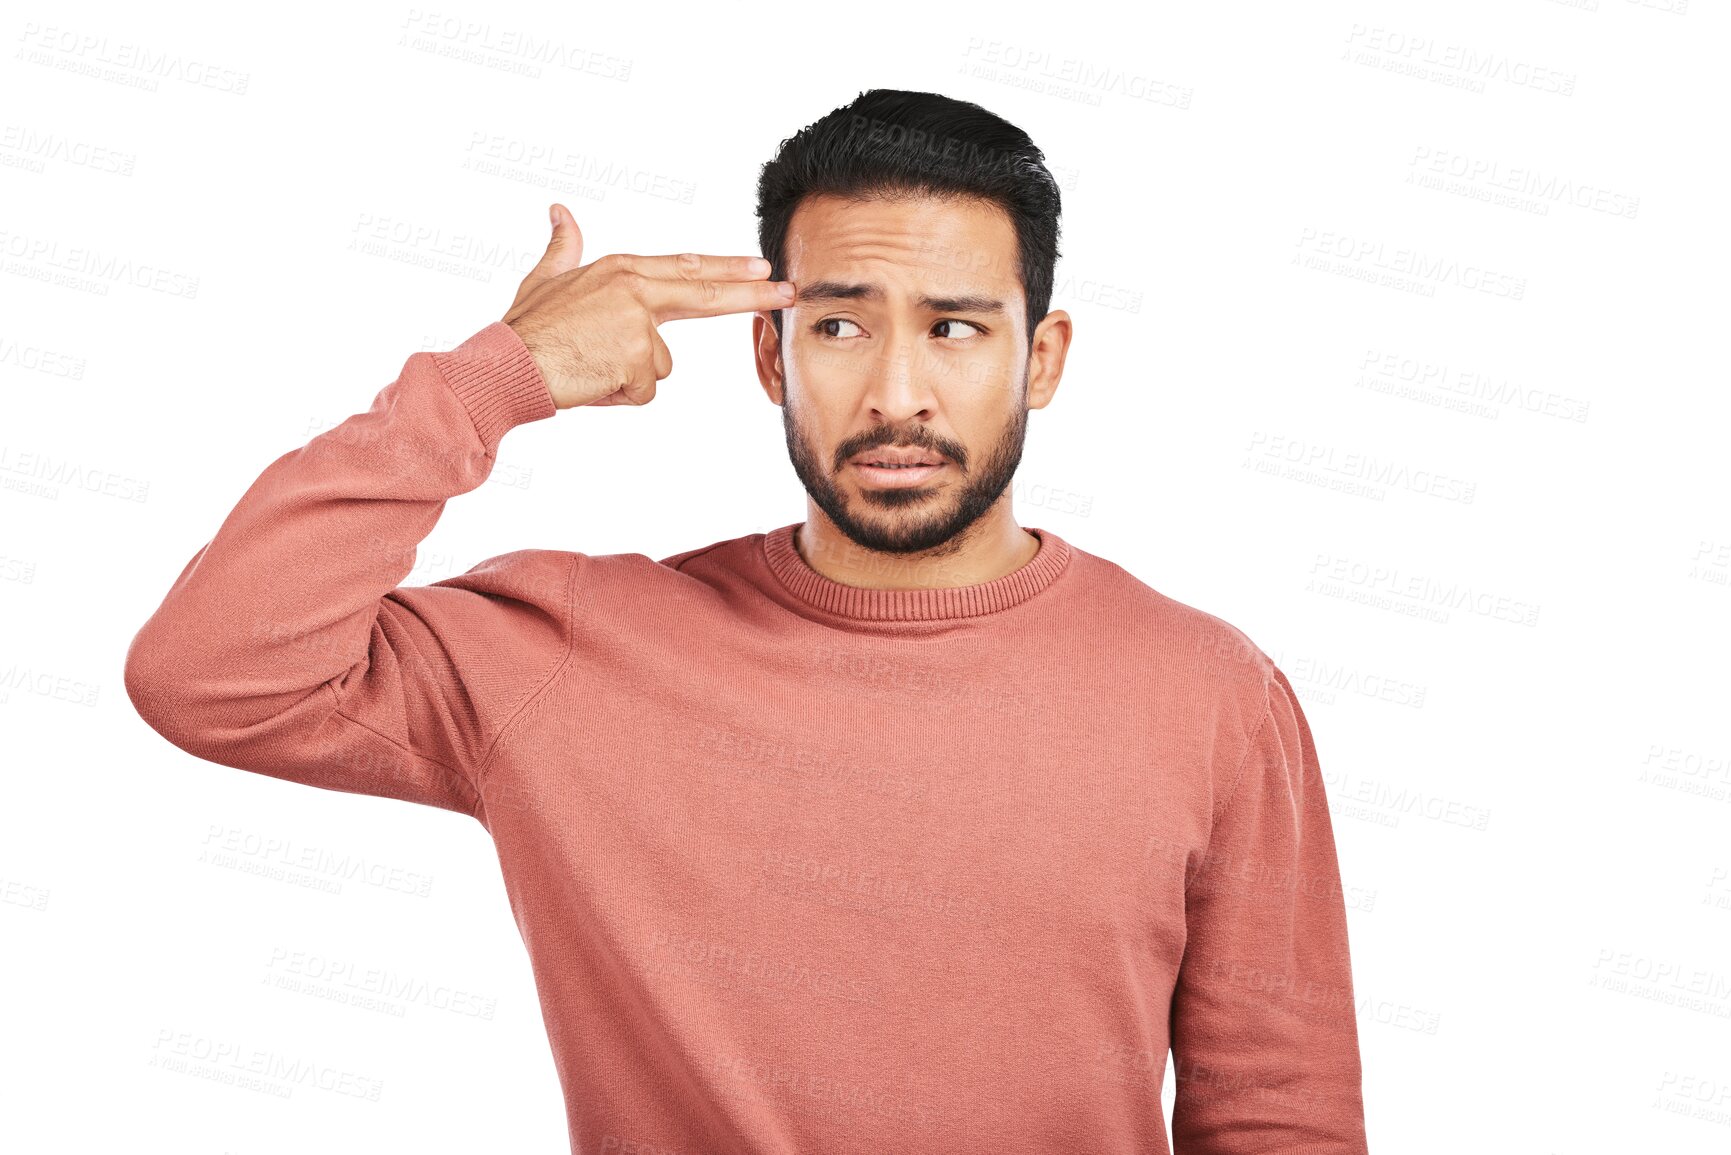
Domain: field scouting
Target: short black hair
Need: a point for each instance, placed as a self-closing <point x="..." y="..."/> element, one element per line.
<point x="890" y="142"/>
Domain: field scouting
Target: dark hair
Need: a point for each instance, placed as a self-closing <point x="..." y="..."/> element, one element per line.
<point x="892" y="143"/>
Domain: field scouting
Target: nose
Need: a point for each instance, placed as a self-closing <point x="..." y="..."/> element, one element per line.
<point x="900" y="384"/>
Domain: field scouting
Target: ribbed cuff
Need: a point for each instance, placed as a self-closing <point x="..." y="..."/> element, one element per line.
<point x="497" y="381"/>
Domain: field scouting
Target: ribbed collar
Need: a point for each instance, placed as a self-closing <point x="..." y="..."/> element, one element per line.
<point x="913" y="605"/>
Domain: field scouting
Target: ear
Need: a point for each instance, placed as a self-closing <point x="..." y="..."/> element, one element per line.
<point x="1051" y="341"/>
<point x="766" y="347"/>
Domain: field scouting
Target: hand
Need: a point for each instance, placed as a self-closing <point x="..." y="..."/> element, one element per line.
<point x="591" y="328"/>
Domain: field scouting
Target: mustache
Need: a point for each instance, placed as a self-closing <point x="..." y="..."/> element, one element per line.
<point x="849" y="450"/>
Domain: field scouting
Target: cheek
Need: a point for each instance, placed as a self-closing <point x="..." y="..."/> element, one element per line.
<point x="825" y="390"/>
<point x="985" y="380"/>
<point x="825" y="367"/>
<point x="811" y="411"/>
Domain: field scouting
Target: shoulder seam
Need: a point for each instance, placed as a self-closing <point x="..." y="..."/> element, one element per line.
<point x="498" y="742"/>
<point x="679" y="560"/>
<point x="1244" y="760"/>
<point x="455" y="774"/>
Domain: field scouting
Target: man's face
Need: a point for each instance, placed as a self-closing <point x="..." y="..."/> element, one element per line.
<point x="908" y="338"/>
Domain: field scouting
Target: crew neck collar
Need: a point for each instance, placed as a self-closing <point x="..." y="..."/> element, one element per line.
<point x="913" y="605"/>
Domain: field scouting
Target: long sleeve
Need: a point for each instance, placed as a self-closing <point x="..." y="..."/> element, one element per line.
<point x="287" y="647"/>
<point x="1263" y="1029"/>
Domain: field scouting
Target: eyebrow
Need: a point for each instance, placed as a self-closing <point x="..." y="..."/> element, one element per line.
<point x="847" y="291"/>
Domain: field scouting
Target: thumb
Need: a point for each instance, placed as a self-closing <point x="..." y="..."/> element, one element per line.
<point x="564" y="253"/>
<point x="565" y="249"/>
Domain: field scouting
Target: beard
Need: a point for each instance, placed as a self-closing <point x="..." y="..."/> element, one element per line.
<point x="919" y="518"/>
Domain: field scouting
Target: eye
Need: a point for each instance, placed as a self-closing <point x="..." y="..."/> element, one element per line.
<point x="822" y="327"/>
<point x="969" y="324"/>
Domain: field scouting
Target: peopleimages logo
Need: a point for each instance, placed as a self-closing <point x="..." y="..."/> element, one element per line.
<point x="1517" y="186"/>
<point x="1458" y="65"/>
<point x="1373" y="258"/>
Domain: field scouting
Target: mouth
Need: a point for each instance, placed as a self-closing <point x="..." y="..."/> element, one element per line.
<point x="890" y="473"/>
<point x="890" y="457"/>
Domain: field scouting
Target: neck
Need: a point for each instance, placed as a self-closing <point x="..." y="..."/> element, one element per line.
<point x="987" y="550"/>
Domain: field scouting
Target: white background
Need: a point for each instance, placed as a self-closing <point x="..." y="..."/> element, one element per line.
<point x="1399" y="344"/>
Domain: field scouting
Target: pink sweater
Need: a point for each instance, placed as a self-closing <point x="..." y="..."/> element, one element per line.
<point x="802" y="867"/>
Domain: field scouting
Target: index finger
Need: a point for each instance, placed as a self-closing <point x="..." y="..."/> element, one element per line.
<point x="696" y="267"/>
<point x="671" y="300"/>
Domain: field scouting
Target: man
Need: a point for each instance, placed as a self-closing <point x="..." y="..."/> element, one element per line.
<point x="899" y="828"/>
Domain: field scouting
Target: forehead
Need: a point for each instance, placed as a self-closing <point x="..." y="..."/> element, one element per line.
<point x="957" y="243"/>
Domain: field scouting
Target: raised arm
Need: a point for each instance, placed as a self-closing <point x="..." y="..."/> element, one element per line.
<point x="1263" y="1029"/>
<point x="287" y="647"/>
